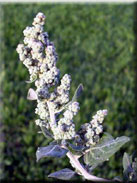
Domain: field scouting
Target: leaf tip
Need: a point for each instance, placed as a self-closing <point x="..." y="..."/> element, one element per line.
<point x="31" y="94"/>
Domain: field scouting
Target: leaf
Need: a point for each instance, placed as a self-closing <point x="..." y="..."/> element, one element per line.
<point x="45" y="132"/>
<point x="127" y="166"/>
<point x="77" y="92"/>
<point x="104" y="150"/>
<point x="117" y="178"/>
<point x="50" y="151"/>
<point x="54" y="142"/>
<point x="105" y="138"/>
<point x="64" y="174"/>
<point x="35" y="77"/>
<point x="126" y="161"/>
<point x="29" y="81"/>
<point x="76" y="148"/>
<point x="31" y="94"/>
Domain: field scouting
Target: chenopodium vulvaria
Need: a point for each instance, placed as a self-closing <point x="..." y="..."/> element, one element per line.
<point x="56" y="110"/>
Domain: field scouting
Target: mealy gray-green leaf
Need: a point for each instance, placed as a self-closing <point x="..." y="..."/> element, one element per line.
<point x="105" y="138"/>
<point x="77" y="92"/>
<point x="126" y="161"/>
<point x="46" y="133"/>
<point x="64" y="174"/>
<point x="50" y="151"/>
<point x="104" y="150"/>
<point x="32" y="80"/>
<point x="54" y="142"/>
<point x="76" y="148"/>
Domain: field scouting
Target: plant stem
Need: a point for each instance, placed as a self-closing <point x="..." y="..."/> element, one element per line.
<point x="52" y="115"/>
<point x="83" y="171"/>
<point x="73" y="158"/>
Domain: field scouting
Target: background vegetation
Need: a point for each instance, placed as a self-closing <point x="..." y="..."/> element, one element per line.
<point x="95" y="44"/>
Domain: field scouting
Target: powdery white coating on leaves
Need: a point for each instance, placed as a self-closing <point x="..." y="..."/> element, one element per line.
<point x="104" y="150"/>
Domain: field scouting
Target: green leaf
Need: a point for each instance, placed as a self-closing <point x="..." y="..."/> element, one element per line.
<point x="64" y="174"/>
<point x="34" y="79"/>
<point x="77" y="92"/>
<point x="105" y="138"/>
<point x="104" y="150"/>
<point x="126" y="161"/>
<point x="54" y="142"/>
<point x="50" y="151"/>
<point x="76" y="148"/>
<point x="130" y="168"/>
<point x="45" y="132"/>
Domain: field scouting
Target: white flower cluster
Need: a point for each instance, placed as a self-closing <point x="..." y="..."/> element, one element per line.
<point x="62" y="91"/>
<point x="60" y="96"/>
<point x="42" y="123"/>
<point x="39" y="56"/>
<point x="42" y="110"/>
<point x="66" y="127"/>
<point x="90" y="132"/>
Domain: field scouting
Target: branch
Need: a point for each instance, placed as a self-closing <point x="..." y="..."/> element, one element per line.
<point x="72" y="158"/>
<point x="83" y="171"/>
<point x="51" y="112"/>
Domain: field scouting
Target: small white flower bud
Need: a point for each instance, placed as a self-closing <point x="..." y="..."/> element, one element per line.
<point x="68" y="115"/>
<point x="20" y="48"/>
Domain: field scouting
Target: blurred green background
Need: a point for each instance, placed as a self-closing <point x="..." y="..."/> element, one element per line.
<point x="95" y="44"/>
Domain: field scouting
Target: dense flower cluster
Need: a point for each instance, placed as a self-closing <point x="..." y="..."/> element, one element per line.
<point x="66" y="127"/>
<point x="56" y="111"/>
<point x="39" y="56"/>
<point x="89" y="134"/>
<point x="62" y="91"/>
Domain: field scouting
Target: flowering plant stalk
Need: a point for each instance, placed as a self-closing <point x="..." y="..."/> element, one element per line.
<point x="56" y="110"/>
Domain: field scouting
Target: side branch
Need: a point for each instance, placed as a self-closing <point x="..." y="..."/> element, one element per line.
<point x="84" y="172"/>
<point x="75" y="162"/>
<point x="51" y="112"/>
